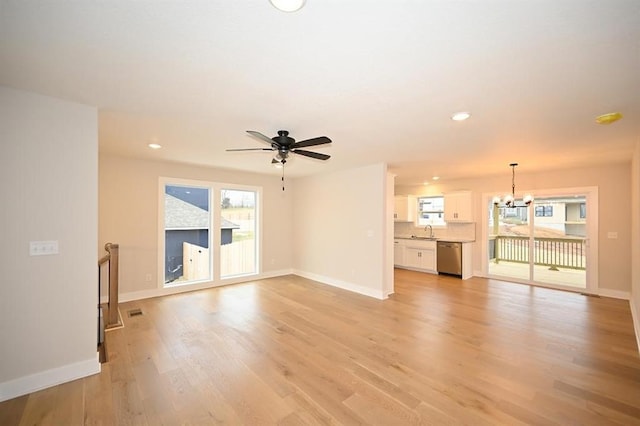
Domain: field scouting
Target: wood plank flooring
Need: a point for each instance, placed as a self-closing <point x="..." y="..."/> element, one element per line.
<point x="290" y="351"/>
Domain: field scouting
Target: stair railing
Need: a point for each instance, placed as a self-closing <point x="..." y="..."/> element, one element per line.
<point x="111" y="259"/>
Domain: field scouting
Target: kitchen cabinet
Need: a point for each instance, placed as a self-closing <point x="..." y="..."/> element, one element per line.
<point x="419" y="255"/>
<point x="405" y="209"/>
<point x="458" y="207"/>
<point x="398" y="252"/>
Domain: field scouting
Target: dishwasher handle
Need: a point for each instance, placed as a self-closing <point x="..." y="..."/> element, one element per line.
<point x="445" y="244"/>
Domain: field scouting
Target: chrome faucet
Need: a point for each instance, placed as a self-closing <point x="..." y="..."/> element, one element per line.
<point x="430" y="230"/>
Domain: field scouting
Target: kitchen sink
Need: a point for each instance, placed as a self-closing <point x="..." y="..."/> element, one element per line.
<point x="415" y="237"/>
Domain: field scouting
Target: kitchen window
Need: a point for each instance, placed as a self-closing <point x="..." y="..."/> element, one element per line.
<point x="431" y="211"/>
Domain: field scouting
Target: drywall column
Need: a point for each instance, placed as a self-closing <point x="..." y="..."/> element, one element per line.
<point x="49" y="187"/>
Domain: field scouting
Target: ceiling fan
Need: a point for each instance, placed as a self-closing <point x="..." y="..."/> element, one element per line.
<point x="284" y="145"/>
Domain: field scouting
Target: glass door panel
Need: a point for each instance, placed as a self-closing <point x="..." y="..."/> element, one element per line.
<point x="238" y="249"/>
<point x="560" y="235"/>
<point x="509" y="244"/>
<point x="186" y="233"/>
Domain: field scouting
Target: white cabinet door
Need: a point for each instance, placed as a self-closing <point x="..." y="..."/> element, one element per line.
<point x="412" y="258"/>
<point x="421" y="256"/>
<point x="405" y="208"/>
<point x="458" y="207"/>
<point x="428" y="260"/>
<point x="398" y="253"/>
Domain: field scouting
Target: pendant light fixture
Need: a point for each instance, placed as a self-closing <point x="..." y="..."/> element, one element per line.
<point x="509" y="200"/>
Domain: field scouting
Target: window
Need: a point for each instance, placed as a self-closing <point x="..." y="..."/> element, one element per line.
<point x="207" y="231"/>
<point x="431" y="211"/>
<point x="187" y="220"/>
<point x="544" y="211"/>
<point x="238" y="232"/>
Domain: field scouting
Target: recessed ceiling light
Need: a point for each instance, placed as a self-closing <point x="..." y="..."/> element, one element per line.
<point x="154" y="146"/>
<point x="460" y="116"/>
<point x="609" y="118"/>
<point x="288" y="5"/>
<point x="435" y="177"/>
<point x="425" y="183"/>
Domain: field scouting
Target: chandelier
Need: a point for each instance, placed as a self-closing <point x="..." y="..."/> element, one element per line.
<point x="509" y="200"/>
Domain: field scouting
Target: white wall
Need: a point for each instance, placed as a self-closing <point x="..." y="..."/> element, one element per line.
<point x="48" y="188"/>
<point x="128" y="215"/>
<point x="614" y="207"/>
<point x="635" y="241"/>
<point x="340" y="229"/>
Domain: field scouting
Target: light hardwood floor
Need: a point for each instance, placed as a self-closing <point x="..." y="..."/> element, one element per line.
<point x="291" y="351"/>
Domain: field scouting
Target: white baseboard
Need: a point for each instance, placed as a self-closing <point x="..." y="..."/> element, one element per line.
<point x="635" y="317"/>
<point x="378" y="294"/>
<point x="55" y="376"/>
<point x="156" y="292"/>
<point x="615" y="294"/>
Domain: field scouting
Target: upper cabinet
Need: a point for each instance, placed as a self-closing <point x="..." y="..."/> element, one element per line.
<point x="405" y="208"/>
<point x="458" y="207"/>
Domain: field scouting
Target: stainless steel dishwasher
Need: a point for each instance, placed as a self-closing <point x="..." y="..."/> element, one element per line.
<point x="449" y="258"/>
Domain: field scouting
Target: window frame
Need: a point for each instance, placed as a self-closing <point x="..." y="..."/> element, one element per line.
<point x="215" y="234"/>
<point x="419" y="219"/>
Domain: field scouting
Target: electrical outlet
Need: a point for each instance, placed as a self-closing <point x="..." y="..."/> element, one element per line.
<point x="147" y="277"/>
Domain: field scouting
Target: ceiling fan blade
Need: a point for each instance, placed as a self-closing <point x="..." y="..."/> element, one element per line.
<point x="311" y="154"/>
<point x="311" y="142"/>
<point x="251" y="149"/>
<point x="259" y="135"/>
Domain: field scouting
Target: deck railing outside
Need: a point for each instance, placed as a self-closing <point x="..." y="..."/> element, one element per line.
<point x="556" y="253"/>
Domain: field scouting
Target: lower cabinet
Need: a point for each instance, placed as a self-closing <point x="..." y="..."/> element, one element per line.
<point x="420" y="258"/>
<point x="418" y="255"/>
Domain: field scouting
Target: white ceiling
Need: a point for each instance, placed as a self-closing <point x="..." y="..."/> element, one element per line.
<point x="380" y="78"/>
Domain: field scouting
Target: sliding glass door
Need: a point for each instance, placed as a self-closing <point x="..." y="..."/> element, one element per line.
<point x="560" y="241"/>
<point x="546" y="242"/>
<point x="509" y="244"/>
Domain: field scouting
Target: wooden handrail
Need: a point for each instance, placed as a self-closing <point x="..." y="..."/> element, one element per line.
<point x="112" y="319"/>
<point x="104" y="259"/>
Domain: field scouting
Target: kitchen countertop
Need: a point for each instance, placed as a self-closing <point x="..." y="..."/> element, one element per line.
<point x="447" y="239"/>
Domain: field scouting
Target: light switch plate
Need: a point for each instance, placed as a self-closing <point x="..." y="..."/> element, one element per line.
<point x="43" y="248"/>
